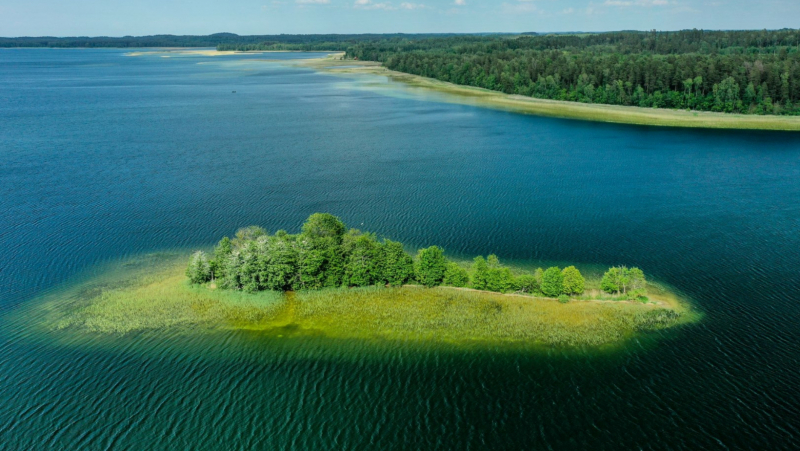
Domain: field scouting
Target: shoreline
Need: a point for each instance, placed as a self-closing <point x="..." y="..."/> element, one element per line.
<point x="211" y="52"/>
<point x="470" y="95"/>
<point x="147" y="295"/>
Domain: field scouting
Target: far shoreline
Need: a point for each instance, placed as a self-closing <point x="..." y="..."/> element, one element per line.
<point x="335" y="64"/>
<point x="617" y="114"/>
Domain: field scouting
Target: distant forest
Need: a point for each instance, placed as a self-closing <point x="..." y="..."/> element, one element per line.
<point x="227" y="41"/>
<point x="753" y="72"/>
<point x="750" y="72"/>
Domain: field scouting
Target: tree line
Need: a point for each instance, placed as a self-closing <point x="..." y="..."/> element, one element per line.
<point x="225" y="41"/>
<point x="325" y="254"/>
<point x="749" y="72"/>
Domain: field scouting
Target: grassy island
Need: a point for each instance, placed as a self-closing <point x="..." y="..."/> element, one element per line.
<point x="345" y="284"/>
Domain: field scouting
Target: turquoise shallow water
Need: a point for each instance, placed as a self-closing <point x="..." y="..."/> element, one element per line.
<point x="106" y="156"/>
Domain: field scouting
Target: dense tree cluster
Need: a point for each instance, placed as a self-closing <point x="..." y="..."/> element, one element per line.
<point x="755" y="72"/>
<point x="326" y="254"/>
<point x="629" y="282"/>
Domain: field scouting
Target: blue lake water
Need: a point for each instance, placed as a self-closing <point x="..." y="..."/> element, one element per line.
<point x="107" y="156"/>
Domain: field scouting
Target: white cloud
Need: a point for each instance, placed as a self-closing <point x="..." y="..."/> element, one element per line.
<point x="460" y="2"/>
<point x="368" y="4"/>
<point x="312" y="2"/>
<point x="407" y="5"/>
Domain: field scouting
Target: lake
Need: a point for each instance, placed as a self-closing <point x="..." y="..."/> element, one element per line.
<point x="106" y="157"/>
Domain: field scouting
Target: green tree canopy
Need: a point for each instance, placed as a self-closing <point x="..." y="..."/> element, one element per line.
<point x="431" y="266"/>
<point x="527" y="284"/>
<point x="324" y="225"/>
<point x="498" y="278"/>
<point x="573" y="281"/>
<point x="199" y="269"/>
<point x="363" y="266"/>
<point x="325" y="255"/>
<point x="480" y="273"/>
<point x="552" y="282"/>
<point x="620" y="279"/>
<point x="455" y="275"/>
<point x="398" y="266"/>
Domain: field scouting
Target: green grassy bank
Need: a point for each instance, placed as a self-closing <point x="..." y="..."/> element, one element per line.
<point x="142" y="296"/>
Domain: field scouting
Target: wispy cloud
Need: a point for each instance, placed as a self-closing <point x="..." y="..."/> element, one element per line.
<point x="412" y="6"/>
<point x="460" y="2"/>
<point x="312" y="2"/>
<point x="369" y="4"/>
<point x="522" y="6"/>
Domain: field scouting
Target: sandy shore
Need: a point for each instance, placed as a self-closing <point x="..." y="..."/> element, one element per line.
<point x="208" y="52"/>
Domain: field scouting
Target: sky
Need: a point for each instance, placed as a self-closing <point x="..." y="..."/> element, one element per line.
<point x="145" y="17"/>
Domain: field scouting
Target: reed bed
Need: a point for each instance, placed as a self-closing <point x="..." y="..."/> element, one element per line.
<point x="141" y="299"/>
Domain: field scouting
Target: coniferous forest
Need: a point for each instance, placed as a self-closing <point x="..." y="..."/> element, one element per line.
<point x="748" y="72"/>
<point x="752" y="72"/>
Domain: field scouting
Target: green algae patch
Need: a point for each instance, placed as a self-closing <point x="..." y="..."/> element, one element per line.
<point x="154" y="295"/>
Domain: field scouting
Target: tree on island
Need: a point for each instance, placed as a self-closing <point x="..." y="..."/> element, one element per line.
<point x="620" y="279"/>
<point x="431" y="266"/>
<point x="398" y="266"/>
<point x="552" y="282"/>
<point x="528" y="284"/>
<point x="199" y="269"/>
<point x="573" y="281"/>
<point x="363" y="266"/>
<point x="498" y="277"/>
<point x="455" y="276"/>
<point x="326" y="254"/>
<point x="480" y="273"/>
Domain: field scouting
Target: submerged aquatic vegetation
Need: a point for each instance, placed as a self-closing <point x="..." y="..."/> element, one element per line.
<point x="141" y="299"/>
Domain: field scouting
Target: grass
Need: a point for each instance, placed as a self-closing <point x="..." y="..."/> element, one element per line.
<point x="141" y="298"/>
<point x="554" y="108"/>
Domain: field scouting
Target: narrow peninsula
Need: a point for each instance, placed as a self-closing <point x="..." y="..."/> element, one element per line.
<point x="343" y="283"/>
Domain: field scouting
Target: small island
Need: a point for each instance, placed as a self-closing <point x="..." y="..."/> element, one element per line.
<point x="339" y="283"/>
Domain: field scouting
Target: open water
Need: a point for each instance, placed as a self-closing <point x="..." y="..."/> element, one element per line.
<point x="105" y="156"/>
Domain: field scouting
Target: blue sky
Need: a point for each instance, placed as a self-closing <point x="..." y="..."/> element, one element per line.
<point x="139" y="17"/>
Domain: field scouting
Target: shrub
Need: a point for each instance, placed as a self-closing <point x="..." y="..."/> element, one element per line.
<point x="563" y="299"/>
<point x="527" y="283"/>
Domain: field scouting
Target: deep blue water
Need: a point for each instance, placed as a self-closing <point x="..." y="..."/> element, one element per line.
<point x="106" y="156"/>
